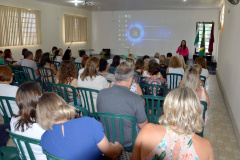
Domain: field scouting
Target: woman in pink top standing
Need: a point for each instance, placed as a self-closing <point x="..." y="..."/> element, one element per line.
<point x="183" y="50"/>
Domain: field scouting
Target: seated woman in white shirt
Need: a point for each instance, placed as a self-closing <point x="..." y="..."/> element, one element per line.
<point x="24" y="123"/>
<point x="175" y="66"/>
<point x="90" y="78"/>
<point x="6" y="89"/>
<point x="84" y="61"/>
<point x="58" y="56"/>
<point x="147" y="73"/>
<point x="202" y="62"/>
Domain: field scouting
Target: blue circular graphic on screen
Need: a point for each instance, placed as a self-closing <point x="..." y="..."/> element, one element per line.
<point x="135" y="33"/>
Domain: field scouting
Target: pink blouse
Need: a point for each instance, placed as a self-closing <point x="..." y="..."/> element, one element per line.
<point x="183" y="52"/>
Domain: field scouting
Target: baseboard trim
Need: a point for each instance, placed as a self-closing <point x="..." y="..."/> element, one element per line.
<point x="228" y="108"/>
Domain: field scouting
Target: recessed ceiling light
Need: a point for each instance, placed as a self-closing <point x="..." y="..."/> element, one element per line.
<point x="184" y="0"/>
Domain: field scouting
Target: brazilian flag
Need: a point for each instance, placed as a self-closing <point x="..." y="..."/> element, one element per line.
<point x="202" y="47"/>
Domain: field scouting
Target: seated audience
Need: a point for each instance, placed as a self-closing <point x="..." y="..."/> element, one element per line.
<point x="67" y="55"/>
<point x="52" y="53"/>
<point x="82" y="54"/>
<point x="202" y="62"/>
<point x="58" y="56"/>
<point x="103" y="70"/>
<point x="175" y="137"/>
<point x="6" y="89"/>
<point x="154" y="70"/>
<point x="24" y="123"/>
<point x="185" y="67"/>
<point x="115" y="62"/>
<point x="8" y="55"/>
<point x="28" y="62"/>
<point x="175" y="66"/>
<point x="120" y="100"/>
<point x="2" y="57"/>
<point x="145" y="64"/>
<point x="199" y="70"/>
<point x="147" y="73"/>
<point x="169" y="56"/>
<point x="69" y="138"/>
<point x="191" y="79"/>
<point x="24" y="50"/>
<point x="67" y="74"/>
<point x="145" y="57"/>
<point x="84" y="60"/>
<point x="162" y="62"/>
<point x="156" y="57"/>
<point x="47" y="63"/>
<point x="38" y="55"/>
<point x="139" y="67"/>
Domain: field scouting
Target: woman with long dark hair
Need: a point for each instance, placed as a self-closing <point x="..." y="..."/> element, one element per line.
<point x="38" y="55"/>
<point x="183" y="50"/>
<point x="46" y="62"/>
<point x="8" y="55"/>
<point x="115" y="62"/>
<point x="67" y="55"/>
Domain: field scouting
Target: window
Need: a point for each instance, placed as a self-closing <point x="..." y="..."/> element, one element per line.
<point x="19" y="27"/>
<point x="208" y="28"/>
<point x="75" y="28"/>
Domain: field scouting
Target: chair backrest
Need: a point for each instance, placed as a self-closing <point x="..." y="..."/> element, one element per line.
<point x="163" y="72"/>
<point x="111" y="120"/>
<point x="46" y="75"/>
<point x="154" y="90"/>
<point x="173" y="80"/>
<point x="153" y="107"/>
<point x="78" y="66"/>
<point x="82" y="110"/>
<point x="20" y="140"/>
<point x="112" y="70"/>
<point x="138" y="73"/>
<point x="6" y="108"/>
<point x="56" y="64"/>
<point x="8" y="62"/>
<point x="204" y="111"/>
<point x="143" y="80"/>
<point x="87" y="99"/>
<point x="203" y="78"/>
<point x="30" y="73"/>
<point x="52" y="157"/>
<point x="64" y="91"/>
<point x="20" y="77"/>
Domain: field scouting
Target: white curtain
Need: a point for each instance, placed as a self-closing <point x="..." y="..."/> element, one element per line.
<point x="19" y="27"/>
<point x="75" y="28"/>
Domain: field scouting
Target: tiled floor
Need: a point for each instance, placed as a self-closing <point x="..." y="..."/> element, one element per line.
<point x="219" y="130"/>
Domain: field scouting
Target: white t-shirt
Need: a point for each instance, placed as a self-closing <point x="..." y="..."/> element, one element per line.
<point x="58" y="59"/>
<point x="80" y="71"/>
<point x="157" y="60"/>
<point x="35" y="131"/>
<point x="78" y="60"/>
<point x="97" y="83"/>
<point x="147" y="75"/>
<point x="177" y="71"/>
<point x="9" y="91"/>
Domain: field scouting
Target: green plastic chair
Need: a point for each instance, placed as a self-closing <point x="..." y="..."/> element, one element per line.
<point x="30" y="74"/>
<point x="20" y="140"/>
<point x="78" y="66"/>
<point x="82" y="110"/>
<point x="143" y="80"/>
<point x="47" y="79"/>
<point x="204" y="111"/>
<point x="86" y="95"/>
<point x="112" y="70"/>
<point x="20" y="77"/>
<point x="9" y="153"/>
<point x="152" y="89"/>
<point x="110" y="121"/>
<point x="56" y="64"/>
<point x="62" y="90"/>
<point x="174" y="80"/>
<point x="163" y="72"/>
<point x="5" y="105"/>
<point x="155" y="105"/>
<point x="52" y="157"/>
<point x="9" y="62"/>
<point x="203" y="78"/>
<point x="138" y="73"/>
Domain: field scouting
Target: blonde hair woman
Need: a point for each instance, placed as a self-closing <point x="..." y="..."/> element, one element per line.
<point x="183" y="62"/>
<point x="145" y="64"/>
<point x="69" y="138"/>
<point x="175" y="137"/>
<point x="191" y="79"/>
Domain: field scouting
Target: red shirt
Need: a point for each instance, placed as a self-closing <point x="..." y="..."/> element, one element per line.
<point x="183" y="52"/>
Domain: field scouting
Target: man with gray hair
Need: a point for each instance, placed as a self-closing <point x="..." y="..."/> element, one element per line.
<point x="120" y="100"/>
<point x="156" y="57"/>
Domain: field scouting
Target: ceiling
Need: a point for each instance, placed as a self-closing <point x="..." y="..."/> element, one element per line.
<point x="121" y="5"/>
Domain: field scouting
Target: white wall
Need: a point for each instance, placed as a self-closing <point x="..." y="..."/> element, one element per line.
<point x="181" y="24"/>
<point x="228" y="60"/>
<point x="52" y="26"/>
